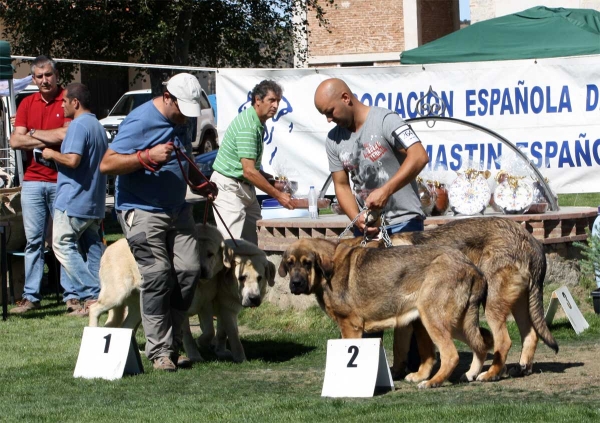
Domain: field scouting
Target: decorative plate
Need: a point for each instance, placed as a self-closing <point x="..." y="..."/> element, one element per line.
<point x="469" y="196"/>
<point x="427" y="196"/>
<point x="514" y="197"/>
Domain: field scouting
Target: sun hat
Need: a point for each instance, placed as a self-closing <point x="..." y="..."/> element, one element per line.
<point x="186" y="89"/>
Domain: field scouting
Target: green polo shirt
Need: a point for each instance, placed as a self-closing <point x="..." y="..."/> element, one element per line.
<point x="242" y="140"/>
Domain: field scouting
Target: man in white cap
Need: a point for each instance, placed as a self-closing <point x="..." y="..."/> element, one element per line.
<point x="151" y="208"/>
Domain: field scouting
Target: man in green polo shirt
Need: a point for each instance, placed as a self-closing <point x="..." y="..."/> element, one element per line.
<point x="237" y="166"/>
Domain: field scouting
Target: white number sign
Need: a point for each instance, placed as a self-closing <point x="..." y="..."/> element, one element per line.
<point x="356" y="368"/>
<point x="107" y="353"/>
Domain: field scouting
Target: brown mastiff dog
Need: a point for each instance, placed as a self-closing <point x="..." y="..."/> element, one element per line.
<point x="370" y="289"/>
<point x="514" y="266"/>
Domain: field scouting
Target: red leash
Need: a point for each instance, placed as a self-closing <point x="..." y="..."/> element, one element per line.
<point x="205" y="189"/>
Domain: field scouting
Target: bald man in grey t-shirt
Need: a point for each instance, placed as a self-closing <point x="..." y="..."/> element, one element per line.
<point x="379" y="152"/>
<point x="383" y="156"/>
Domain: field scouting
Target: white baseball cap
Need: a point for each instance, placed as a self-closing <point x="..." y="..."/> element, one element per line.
<point x="186" y="89"/>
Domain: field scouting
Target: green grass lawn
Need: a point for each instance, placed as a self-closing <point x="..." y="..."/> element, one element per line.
<point x="579" y="200"/>
<point x="282" y="380"/>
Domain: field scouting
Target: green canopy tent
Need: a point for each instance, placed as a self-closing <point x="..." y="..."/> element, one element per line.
<point x="531" y="34"/>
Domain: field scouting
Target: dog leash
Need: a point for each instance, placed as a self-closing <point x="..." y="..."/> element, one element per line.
<point x="384" y="234"/>
<point x="351" y="223"/>
<point x="205" y="189"/>
<point x="372" y="216"/>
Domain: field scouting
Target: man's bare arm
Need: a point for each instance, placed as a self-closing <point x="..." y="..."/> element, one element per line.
<point x="70" y="160"/>
<point x="114" y="163"/>
<point x="21" y="140"/>
<point x="258" y="180"/>
<point x="347" y="201"/>
<point x="51" y="137"/>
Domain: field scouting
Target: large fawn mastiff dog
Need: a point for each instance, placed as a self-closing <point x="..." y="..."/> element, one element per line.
<point x="514" y="265"/>
<point x="234" y="275"/>
<point x="370" y="289"/>
<point x="120" y="277"/>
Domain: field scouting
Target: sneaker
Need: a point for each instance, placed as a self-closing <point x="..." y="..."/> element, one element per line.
<point x="85" y="310"/>
<point x="164" y="363"/>
<point x="184" y="362"/>
<point x="24" y="306"/>
<point x="73" y="305"/>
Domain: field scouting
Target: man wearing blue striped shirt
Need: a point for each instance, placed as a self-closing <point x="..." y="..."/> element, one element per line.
<point x="237" y="168"/>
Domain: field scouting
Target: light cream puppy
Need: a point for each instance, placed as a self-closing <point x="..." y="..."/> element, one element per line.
<point x="120" y="278"/>
<point x="235" y="276"/>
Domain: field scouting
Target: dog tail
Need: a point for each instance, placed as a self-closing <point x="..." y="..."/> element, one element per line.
<point x="536" y="297"/>
<point x="536" y="312"/>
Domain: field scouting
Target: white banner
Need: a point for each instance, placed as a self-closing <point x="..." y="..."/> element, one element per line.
<point x="549" y="108"/>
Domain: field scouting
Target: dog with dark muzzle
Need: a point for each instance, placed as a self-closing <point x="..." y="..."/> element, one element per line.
<point x="370" y="289"/>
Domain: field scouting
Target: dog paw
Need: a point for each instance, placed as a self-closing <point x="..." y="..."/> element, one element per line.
<point x="426" y="384"/>
<point x="224" y="355"/>
<point x="398" y="374"/>
<point x="486" y="377"/>
<point x="520" y="370"/>
<point x="466" y="378"/>
<point x="414" y="377"/>
<point x="196" y="358"/>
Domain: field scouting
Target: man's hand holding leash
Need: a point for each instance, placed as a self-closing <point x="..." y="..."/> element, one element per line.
<point x="161" y="153"/>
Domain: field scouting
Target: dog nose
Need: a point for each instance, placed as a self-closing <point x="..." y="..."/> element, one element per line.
<point x="296" y="286"/>
<point x="205" y="272"/>
<point x="254" y="301"/>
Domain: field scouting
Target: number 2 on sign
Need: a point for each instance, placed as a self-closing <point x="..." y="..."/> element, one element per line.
<point x="107" y="344"/>
<point x="353" y="349"/>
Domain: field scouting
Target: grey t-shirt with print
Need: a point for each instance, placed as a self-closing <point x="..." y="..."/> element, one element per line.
<point x="371" y="157"/>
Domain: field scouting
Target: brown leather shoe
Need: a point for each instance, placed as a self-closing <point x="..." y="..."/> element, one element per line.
<point x="73" y="305"/>
<point x="184" y="362"/>
<point x="24" y="306"/>
<point x="85" y="310"/>
<point x="164" y="363"/>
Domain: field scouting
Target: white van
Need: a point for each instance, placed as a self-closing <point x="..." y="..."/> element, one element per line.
<point x="205" y="132"/>
<point x="8" y="165"/>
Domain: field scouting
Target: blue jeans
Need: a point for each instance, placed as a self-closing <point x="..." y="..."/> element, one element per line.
<point x="413" y="225"/>
<point x="596" y="233"/>
<point x="37" y="199"/>
<point x="78" y="246"/>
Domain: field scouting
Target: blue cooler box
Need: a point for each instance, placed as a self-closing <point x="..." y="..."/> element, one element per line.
<point x="271" y="209"/>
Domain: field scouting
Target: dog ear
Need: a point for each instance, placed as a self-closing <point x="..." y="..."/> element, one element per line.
<point x="283" y="269"/>
<point x="270" y="273"/>
<point x="326" y="265"/>
<point x="228" y="254"/>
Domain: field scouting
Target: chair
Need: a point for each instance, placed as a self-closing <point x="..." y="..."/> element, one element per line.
<point x="49" y="258"/>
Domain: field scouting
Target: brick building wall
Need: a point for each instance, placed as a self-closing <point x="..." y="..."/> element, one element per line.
<point x="358" y="26"/>
<point x="372" y="32"/>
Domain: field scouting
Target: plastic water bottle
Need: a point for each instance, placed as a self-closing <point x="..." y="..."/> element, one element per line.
<point x="313" y="210"/>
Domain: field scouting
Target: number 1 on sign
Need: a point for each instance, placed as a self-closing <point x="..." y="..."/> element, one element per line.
<point x="107" y="343"/>
<point x="353" y="349"/>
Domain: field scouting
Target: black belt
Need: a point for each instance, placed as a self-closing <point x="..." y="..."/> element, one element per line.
<point x="242" y="181"/>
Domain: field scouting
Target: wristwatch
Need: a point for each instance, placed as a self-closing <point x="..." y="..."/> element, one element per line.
<point x="31" y="132"/>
